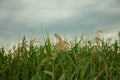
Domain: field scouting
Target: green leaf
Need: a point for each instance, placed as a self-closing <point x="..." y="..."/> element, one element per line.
<point x="48" y="72"/>
<point x="48" y="45"/>
<point x="96" y="78"/>
<point x="62" y="77"/>
<point x="36" y="77"/>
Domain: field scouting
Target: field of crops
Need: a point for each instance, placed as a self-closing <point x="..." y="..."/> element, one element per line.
<point x="80" y="59"/>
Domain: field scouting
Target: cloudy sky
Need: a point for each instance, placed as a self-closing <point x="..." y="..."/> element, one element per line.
<point x="32" y="17"/>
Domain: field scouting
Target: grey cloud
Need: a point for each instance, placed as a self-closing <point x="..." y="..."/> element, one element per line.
<point x="64" y="16"/>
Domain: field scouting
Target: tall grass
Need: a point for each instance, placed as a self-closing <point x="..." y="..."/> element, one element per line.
<point x="82" y="59"/>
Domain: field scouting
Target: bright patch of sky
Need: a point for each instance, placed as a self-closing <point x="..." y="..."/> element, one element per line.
<point x="66" y="17"/>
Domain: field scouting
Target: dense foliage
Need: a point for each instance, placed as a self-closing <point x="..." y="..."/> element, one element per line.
<point x="81" y="59"/>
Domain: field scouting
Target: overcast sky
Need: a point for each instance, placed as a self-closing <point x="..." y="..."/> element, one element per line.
<point x="18" y="17"/>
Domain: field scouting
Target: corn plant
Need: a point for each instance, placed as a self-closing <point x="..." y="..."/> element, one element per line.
<point x="82" y="59"/>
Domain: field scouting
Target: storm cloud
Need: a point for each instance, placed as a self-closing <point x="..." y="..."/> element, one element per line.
<point x="19" y="17"/>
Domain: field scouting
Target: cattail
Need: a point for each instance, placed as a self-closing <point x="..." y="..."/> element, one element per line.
<point x="109" y="39"/>
<point x="58" y="37"/>
<point x="100" y="31"/>
<point x="61" y="44"/>
<point x="97" y="40"/>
